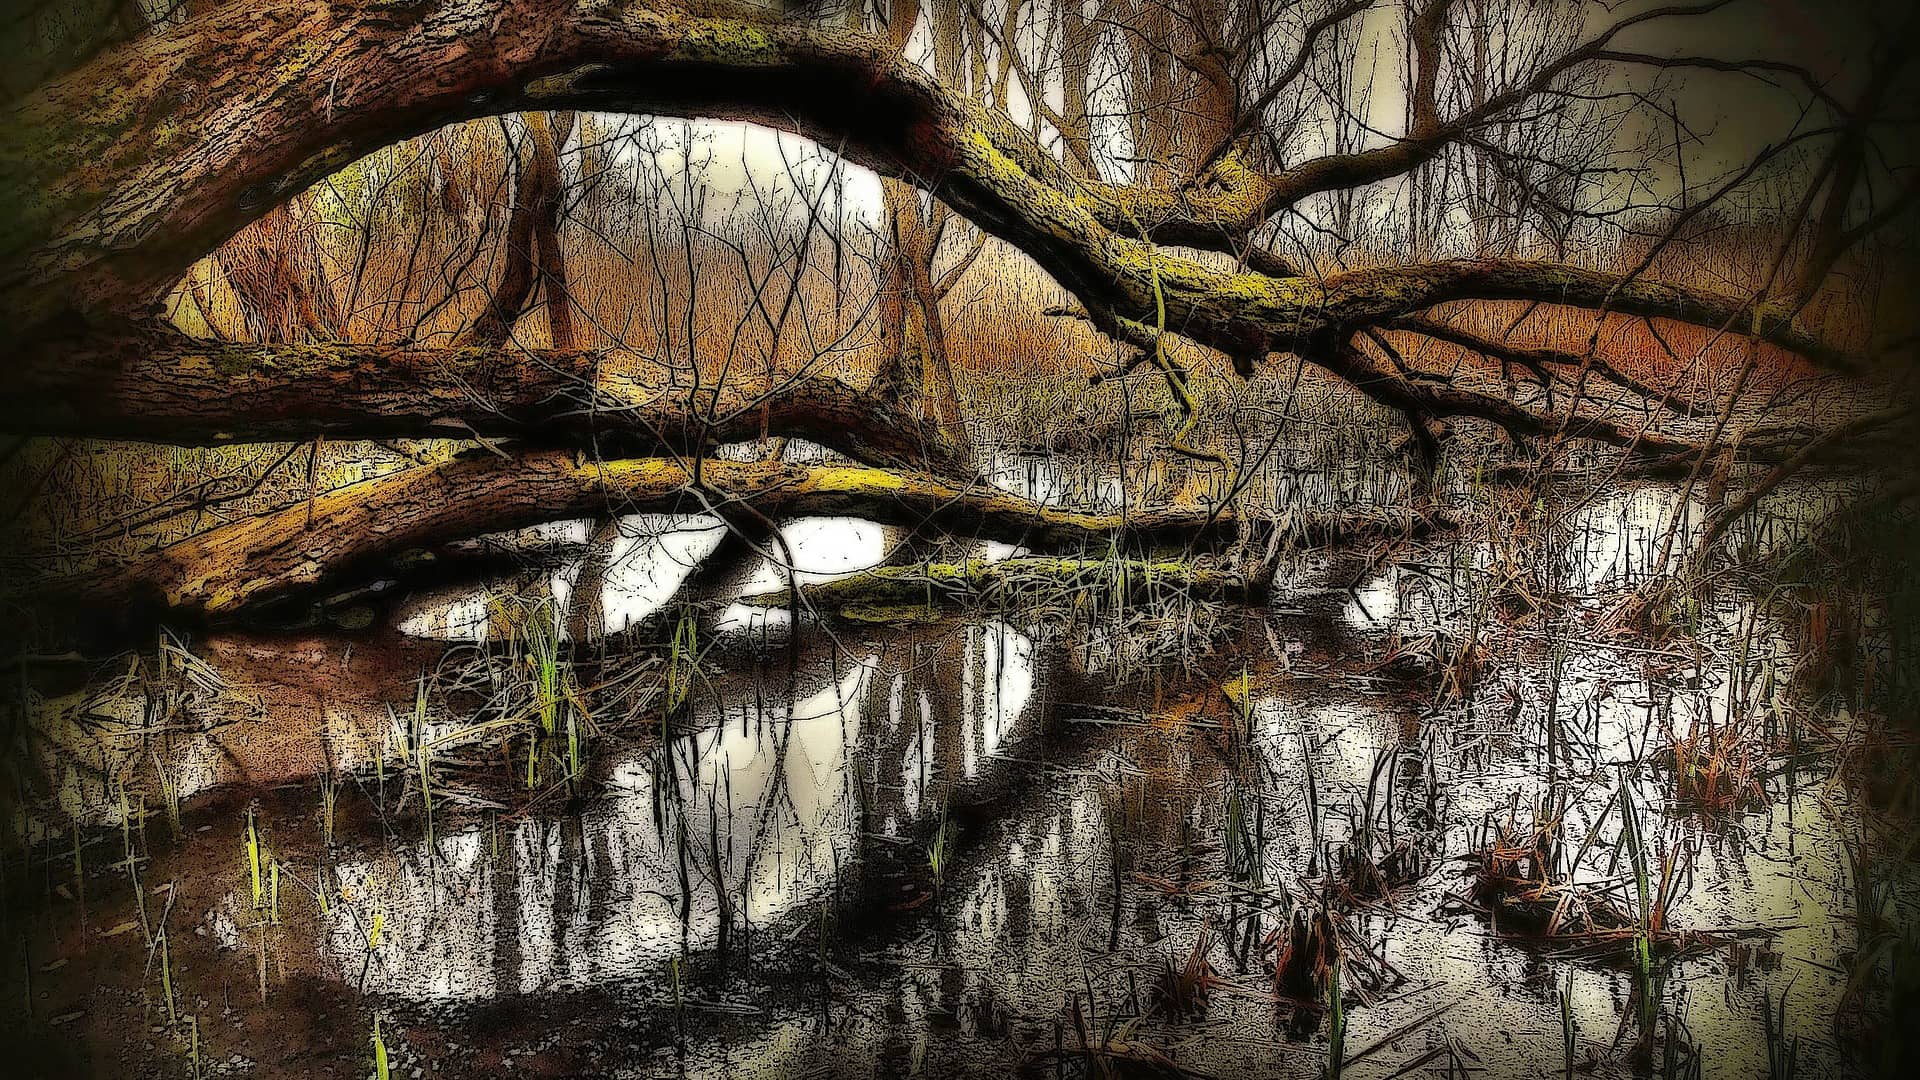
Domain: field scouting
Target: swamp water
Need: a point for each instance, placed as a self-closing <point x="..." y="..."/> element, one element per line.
<point x="1086" y="843"/>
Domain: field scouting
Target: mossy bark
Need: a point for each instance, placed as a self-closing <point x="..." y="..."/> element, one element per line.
<point x="121" y="179"/>
<point x="166" y="387"/>
<point x="322" y="543"/>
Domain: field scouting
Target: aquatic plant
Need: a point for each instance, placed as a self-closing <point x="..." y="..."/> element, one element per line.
<point x="381" y="1069"/>
<point x="1183" y="986"/>
<point x="252" y="848"/>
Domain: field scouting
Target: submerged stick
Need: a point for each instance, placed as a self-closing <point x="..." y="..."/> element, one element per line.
<point x="899" y="591"/>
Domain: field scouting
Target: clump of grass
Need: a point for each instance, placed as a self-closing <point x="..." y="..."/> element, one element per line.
<point x="537" y="691"/>
<point x="1783" y="1052"/>
<point x="1518" y="885"/>
<point x="1182" y="987"/>
<point x="1245" y="836"/>
<point x="1716" y="768"/>
<point x="1308" y="951"/>
<point x="1452" y="664"/>
<point x="683" y="659"/>
<point x="329" y="804"/>
<point x="166" y="974"/>
<point x="1367" y="877"/>
<point x="1662" y="608"/>
<point x="939" y="857"/>
<point x="1374" y="862"/>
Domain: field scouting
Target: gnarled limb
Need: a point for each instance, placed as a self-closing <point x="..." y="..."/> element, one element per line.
<point x="164" y="386"/>
<point x="118" y="204"/>
<point x="309" y="545"/>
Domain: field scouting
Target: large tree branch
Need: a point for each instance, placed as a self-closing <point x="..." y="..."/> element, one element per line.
<point x="122" y="202"/>
<point x="166" y="387"/>
<point x="354" y="528"/>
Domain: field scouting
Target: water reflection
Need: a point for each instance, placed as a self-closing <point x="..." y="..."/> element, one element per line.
<point x="943" y="848"/>
<point x="747" y="820"/>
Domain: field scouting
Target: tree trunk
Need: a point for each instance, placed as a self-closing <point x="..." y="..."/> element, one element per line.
<point x="167" y="387"/>
<point x="533" y="254"/>
<point x="120" y="182"/>
<point x="279" y="282"/>
<point x="914" y="370"/>
<point x="355" y="528"/>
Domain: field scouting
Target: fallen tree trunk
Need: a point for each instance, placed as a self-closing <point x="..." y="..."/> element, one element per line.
<point x="887" y="592"/>
<point x="314" y="544"/>
<point x="164" y="386"/>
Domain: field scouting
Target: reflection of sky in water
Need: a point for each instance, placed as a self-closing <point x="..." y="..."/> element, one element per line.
<point x="649" y="557"/>
<point x="571" y="902"/>
<point x="648" y="566"/>
<point x="574" y="902"/>
<point x="652" y="555"/>
<point x="568" y="904"/>
<point x="821" y="548"/>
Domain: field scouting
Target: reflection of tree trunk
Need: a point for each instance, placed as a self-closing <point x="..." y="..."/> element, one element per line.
<point x="948" y="689"/>
<point x="511" y="859"/>
<point x="533" y="254"/>
<point x="586" y="607"/>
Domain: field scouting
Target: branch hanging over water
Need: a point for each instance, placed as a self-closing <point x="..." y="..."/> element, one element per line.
<point x="354" y="528"/>
<point x="167" y="387"/>
<point x="1015" y="582"/>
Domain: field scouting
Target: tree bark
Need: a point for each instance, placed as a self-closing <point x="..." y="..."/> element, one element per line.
<point x="167" y="387"/>
<point x="122" y="181"/>
<point x="354" y="528"/>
